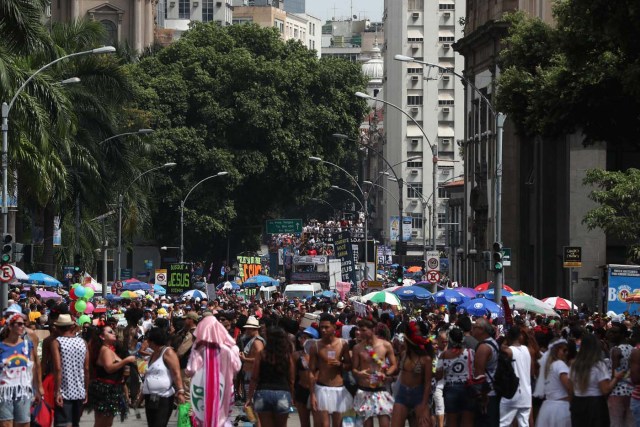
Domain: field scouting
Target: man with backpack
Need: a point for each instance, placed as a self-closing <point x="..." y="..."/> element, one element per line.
<point x="484" y="368"/>
<point x="517" y="406"/>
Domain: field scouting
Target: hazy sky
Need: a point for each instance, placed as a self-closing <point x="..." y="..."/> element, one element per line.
<point x="324" y="9"/>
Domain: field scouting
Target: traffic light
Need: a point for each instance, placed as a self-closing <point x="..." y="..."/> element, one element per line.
<point x="400" y="275"/>
<point x="486" y="261"/>
<point x="497" y="257"/>
<point x="7" y="248"/>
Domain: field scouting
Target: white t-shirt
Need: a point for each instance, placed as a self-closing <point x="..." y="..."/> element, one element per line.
<point x="522" y="368"/>
<point x="599" y="373"/>
<point x="346" y="330"/>
<point x="553" y="387"/>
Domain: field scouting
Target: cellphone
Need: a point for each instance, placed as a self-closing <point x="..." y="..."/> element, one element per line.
<point x="331" y="354"/>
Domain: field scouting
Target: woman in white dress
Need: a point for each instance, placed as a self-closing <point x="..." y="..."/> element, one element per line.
<point x="557" y="387"/>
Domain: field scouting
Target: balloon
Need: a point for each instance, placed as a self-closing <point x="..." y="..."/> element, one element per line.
<point x="72" y="294"/>
<point x="88" y="292"/>
<point x="75" y="285"/>
<point x="80" y="292"/>
<point x="89" y="308"/>
<point x="80" y="306"/>
<point x="83" y="319"/>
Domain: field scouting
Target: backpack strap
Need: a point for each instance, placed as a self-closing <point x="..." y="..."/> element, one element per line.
<point x="495" y="347"/>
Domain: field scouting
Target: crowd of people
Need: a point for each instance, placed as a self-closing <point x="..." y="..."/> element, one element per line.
<point x="426" y="365"/>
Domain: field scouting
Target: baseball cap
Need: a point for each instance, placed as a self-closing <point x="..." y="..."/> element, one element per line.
<point x="193" y="316"/>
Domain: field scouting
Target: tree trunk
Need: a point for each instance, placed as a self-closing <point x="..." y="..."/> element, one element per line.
<point x="48" y="254"/>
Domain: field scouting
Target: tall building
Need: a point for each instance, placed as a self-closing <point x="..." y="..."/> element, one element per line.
<point x="295" y="6"/>
<point x="432" y="100"/>
<point x="174" y="16"/>
<point x="127" y="21"/>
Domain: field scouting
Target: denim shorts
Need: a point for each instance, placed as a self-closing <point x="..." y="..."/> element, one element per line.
<point x="409" y="396"/>
<point x="17" y="410"/>
<point x="457" y="399"/>
<point x="276" y="401"/>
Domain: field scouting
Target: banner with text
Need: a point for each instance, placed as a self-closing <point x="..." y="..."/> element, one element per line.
<point x="344" y="251"/>
<point x="394" y="227"/>
<point x="249" y="266"/>
<point x="179" y="280"/>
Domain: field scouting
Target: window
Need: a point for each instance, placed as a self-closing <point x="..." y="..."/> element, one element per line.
<point x="416" y="5"/>
<point x="447" y="6"/>
<point x="446" y="39"/>
<point x="416" y="70"/>
<point x="415" y="39"/>
<point x="414" y="164"/>
<point x="442" y="218"/>
<point x="416" y="220"/>
<point x="183" y="9"/>
<point x="414" y="191"/>
<point x="442" y="193"/>
<point x="207" y="10"/>
<point x="111" y="32"/>
<point x="443" y="102"/>
<point x="414" y="100"/>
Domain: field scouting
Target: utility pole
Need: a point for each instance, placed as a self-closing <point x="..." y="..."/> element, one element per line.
<point x="498" y="278"/>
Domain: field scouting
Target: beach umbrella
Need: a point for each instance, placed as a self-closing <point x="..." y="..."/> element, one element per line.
<point x="159" y="289"/>
<point x="135" y="286"/>
<point x="129" y="295"/>
<point x="391" y="289"/>
<point x="408" y="282"/>
<point x="194" y="293"/>
<point x="382" y="297"/>
<point x="560" y="303"/>
<point x="490" y="293"/>
<point x="481" y="307"/>
<point x="19" y="274"/>
<point x="484" y="286"/>
<point x="47" y="295"/>
<point x="328" y="294"/>
<point x="414" y="269"/>
<point x="260" y="280"/>
<point x="450" y="296"/>
<point x="468" y="292"/>
<point x="44" y="279"/>
<point x="529" y="303"/>
<point x="113" y="297"/>
<point x="411" y="293"/>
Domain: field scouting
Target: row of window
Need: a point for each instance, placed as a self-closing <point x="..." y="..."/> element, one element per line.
<point x="417" y="220"/>
<point x="419" y="5"/>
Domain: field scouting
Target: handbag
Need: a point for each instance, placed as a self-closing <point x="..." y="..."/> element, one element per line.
<point x="183" y="415"/>
<point x="41" y="415"/>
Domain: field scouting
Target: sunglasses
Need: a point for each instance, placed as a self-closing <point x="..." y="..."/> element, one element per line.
<point x="18" y="324"/>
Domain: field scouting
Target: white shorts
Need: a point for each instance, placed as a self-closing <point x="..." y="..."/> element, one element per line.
<point x="333" y="399"/>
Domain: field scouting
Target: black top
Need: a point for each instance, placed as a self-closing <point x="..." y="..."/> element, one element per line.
<point x="271" y="379"/>
<point x="102" y="374"/>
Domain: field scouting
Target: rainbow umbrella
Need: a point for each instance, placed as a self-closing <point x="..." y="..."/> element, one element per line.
<point x="129" y="295"/>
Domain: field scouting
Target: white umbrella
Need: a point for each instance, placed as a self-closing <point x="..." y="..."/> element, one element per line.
<point x="139" y="292"/>
<point x="19" y="274"/>
<point x="560" y="303"/>
<point x="408" y="282"/>
<point x="382" y="297"/>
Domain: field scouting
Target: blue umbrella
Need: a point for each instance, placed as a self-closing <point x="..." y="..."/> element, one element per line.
<point x="490" y="293"/>
<point x="113" y="297"/>
<point x="410" y="293"/>
<point x="194" y="293"/>
<point x="450" y="296"/>
<point x="260" y="280"/>
<point x="159" y="289"/>
<point x="327" y="294"/>
<point x="136" y="286"/>
<point x="480" y="307"/>
<point x="44" y="279"/>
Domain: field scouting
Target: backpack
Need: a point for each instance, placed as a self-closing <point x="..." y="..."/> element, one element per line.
<point x="506" y="382"/>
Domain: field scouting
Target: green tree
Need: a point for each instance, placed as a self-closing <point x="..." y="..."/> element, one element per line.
<point x="579" y="74"/>
<point x="240" y="99"/>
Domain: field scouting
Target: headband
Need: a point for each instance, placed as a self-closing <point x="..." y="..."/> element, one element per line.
<point x="15" y="318"/>
<point x="557" y="342"/>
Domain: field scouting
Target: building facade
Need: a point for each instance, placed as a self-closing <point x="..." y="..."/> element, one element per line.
<point x="174" y="16"/>
<point x="430" y="99"/>
<point x="130" y="21"/>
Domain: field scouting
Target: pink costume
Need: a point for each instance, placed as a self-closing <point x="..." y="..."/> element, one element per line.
<point x="213" y="363"/>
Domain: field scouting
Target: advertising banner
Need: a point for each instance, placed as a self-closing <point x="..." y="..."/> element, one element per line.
<point x="249" y="266"/>
<point x="623" y="282"/>
<point x="394" y="228"/>
<point x="179" y="279"/>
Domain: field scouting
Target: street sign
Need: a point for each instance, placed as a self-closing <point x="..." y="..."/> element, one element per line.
<point x="161" y="276"/>
<point x="6" y="273"/>
<point x="284" y="226"/>
<point x="433" y="276"/>
<point x="433" y="260"/>
<point x="571" y="256"/>
<point x="506" y="257"/>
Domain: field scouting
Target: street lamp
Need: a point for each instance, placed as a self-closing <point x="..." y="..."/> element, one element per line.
<point x="137" y="132"/>
<point x="120" y="200"/>
<point x="500" y="119"/>
<point x="223" y="173"/>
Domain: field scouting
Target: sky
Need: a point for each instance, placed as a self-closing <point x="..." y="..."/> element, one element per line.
<point x="324" y="9"/>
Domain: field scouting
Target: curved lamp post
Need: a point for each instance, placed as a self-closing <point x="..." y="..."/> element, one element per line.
<point x="500" y="119"/>
<point x="120" y="200"/>
<point x="223" y="173"/>
<point x="137" y="132"/>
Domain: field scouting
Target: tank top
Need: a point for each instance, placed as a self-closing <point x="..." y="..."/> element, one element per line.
<point x="456" y="371"/>
<point x="73" y="351"/>
<point x="157" y="379"/>
<point x="16" y="373"/>
<point x="271" y="379"/>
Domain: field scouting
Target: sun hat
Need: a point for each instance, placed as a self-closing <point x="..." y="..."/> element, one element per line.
<point x="252" y="323"/>
<point x="64" y="320"/>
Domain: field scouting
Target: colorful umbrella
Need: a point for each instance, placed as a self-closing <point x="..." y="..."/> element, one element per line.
<point x="44" y="279"/>
<point x="136" y="286"/>
<point x="484" y="286"/>
<point x="414" y="269"/>
<point x="467" y="292"/>
<point x="393" y="288"/>
<point x="529" y="303"/>
<point x="410" y="293"/>
<point x="490" y="293"/>
<point x="159" y="289"/>
<point x="450" y="296"/>
<point x="129" y="295"/>
<point x="382" y="297"/>
<point x="559" y="303"/>
<point x="47" y="295"/>
<point x="481" y="307"/>
<point x="194" y="293"/>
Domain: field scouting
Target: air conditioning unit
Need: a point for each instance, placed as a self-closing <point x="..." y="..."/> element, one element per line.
<point x="445" y="110"/>
<point x="446" y="171"/>
<point x="415" y="110"/>
<point x="414" y="172"/>
<point x="415" y="15"/>
<point x="446" y="46"/>
<point x="415" y="78"/>
<point x="447" y="14"/>
<point x="414" y="202"/>
<point x="415" y="141"/>
<point x="414" y="233"/>
<point x="446" y="78"/>
<point x="446" y="141"/>
<point x="172" y="4"/>
<point x="196" y="4"/>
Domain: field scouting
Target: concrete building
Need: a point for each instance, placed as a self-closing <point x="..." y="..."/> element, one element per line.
<point x="295" y="6"/>
<point x="131" y="21"/>
<point x="543" y="198"/>
<point x="425" y="30"/>
<point x="174" y="16"/>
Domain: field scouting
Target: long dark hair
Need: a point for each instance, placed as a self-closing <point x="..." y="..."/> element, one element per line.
<point x="590" y="355"/>
<point x="277" y="351"/>
<point x="95" y="344"/>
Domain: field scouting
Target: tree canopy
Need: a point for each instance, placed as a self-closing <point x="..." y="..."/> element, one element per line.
<point x="580" y="73"/>
<point x="241" y="100"/>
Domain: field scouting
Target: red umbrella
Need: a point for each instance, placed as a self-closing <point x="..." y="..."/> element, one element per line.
<point x="559" y="303"/>
<point x="482" y="287"/>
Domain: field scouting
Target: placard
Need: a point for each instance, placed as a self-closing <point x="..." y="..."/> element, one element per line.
<point x="344" y="251"/>
<point x="179" y="279"/>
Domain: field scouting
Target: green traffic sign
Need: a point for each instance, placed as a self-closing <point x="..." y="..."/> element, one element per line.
<point x="284" y="226"/>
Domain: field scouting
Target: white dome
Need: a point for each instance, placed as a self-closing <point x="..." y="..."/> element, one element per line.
<point x="374" y="68"/>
